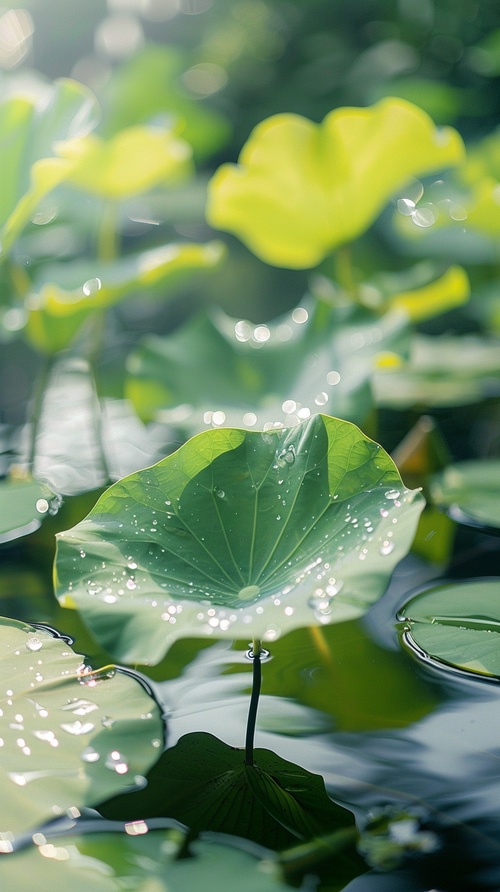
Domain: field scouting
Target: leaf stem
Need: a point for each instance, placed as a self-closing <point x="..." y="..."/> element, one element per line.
<point x="37" y="407"/>
<point x="254" y="699"/>
<point x="107" y="235"/>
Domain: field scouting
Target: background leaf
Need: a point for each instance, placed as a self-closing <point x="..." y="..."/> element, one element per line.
<point x="262" y="374"/>
<point x="239" y="534"/>
<point x="69" y="734"/>
<point x="24" y="505"/>
<point x="69" y="294"/>
<point x="458" y="624"/>
<point x="469" y="491"/>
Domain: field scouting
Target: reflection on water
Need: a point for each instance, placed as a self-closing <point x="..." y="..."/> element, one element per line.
<point x="381" y="728"/>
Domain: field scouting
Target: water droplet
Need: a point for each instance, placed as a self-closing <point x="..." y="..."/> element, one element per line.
<point x="249" y="592"/>
<point x="386" y="547"/>
<point x="80" y="707"/>
<point x="92" y="286"/>
<point x="392" y="494"/>
<point x="94" y="589"/>
<point x="249" y="419"/>
<point x="261" y="334"/>
<point x="77" y="728"/>
<point x="219" y="493"/>
<point x="300" y="315"/>
<point x="333" y="378"/>
<point x="34" y="644"/>
<point x="89" y="754"/>
<point x="285" y="457"/>
<point x="321" y="399"/>
<point x="42" y="506"/>
<point x="116" y="762"/>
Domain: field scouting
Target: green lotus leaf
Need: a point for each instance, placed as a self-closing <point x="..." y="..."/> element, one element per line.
<point x="216" y="368"/>
<point x="69" y="294"/>
<point x="457" y="624"/>
<point x="469" y="491"/>
<point x="205" y="784"/>
<point x="441" y="371"/>
<point x="140" y="859"/>
<point x="68" y="733"/>
<point x="300" y="189"/>
<point x="24" y="504"/>
<point x="34" y="126"/>
<point x="147" y="87"/>
<point x="239" y="534"/>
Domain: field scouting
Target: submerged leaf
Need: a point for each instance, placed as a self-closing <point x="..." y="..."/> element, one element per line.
<point x="238" y="534"/>
<point x="68" y="733"/>
<point x="205" y="784"/>
<point x="457" y="624"/>
<point x="300" y="189"/>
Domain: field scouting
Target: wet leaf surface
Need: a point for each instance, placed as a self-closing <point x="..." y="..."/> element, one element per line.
<point x="67" y="732"/>
<point x="141" y="859"/>
<point x="239" y="534"/>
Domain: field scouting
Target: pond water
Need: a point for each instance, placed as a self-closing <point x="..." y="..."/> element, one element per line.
<point x="384" y="729"/>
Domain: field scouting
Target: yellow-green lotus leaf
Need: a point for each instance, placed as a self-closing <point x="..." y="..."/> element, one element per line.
<point x="300" y="188"/>
<point x="58" y="307"/>
<point x="133" y="161"/>
<point x="450" y="290"/>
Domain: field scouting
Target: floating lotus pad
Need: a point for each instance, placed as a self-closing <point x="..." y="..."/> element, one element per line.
<point x="69" y="736"/>
<point x="458" y="624"/>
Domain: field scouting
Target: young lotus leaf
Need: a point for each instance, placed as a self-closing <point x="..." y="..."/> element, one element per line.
<point x="24" y="504"/>
<point x="300" y="189"/>
<point x="68" y="295"/>
<point x="142" y="859"/>
<point x="68" y="733"/>
<point x="441" y="371"/>
<point x="205" y="784"/>
<point x="34" y="125"/>
<point x="239" y="534"/>
<point x="470" y="492"/>
<point x="457" y="625"/>
<point x="133" y="161"/>
<point x="258" y="375"/>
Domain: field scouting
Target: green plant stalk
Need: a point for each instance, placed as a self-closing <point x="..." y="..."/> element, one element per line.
<point x="107" y="233"/>
<point x="254" y="700"/>
<point x="37" y="406"/>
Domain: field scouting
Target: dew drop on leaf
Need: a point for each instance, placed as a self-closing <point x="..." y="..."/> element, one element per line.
<point x="92" y="286"/>
<point x="387" y="547"/>
<point x="34" y="644"/>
